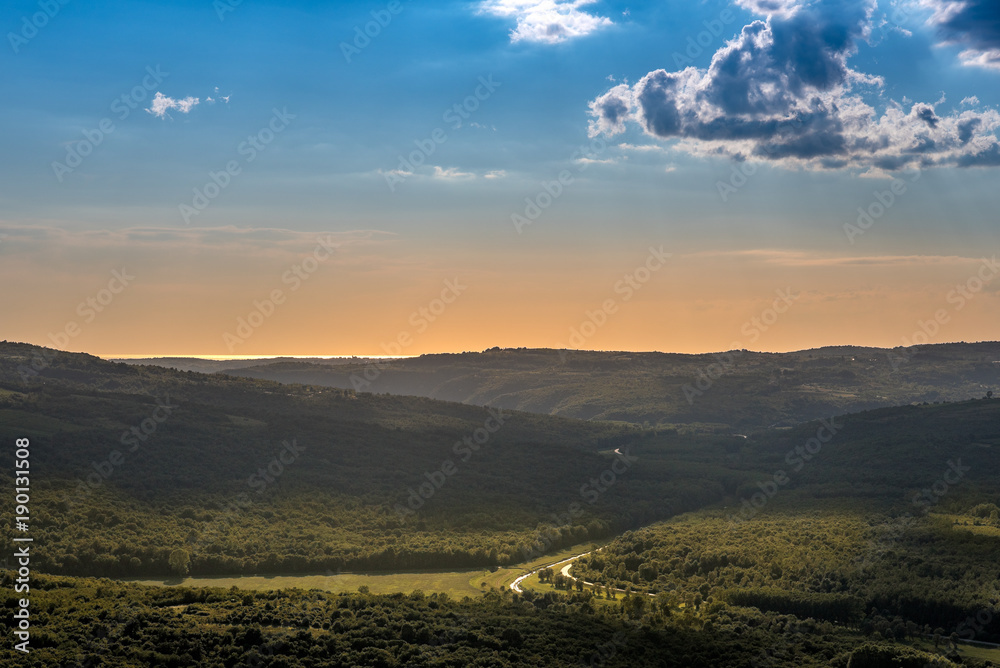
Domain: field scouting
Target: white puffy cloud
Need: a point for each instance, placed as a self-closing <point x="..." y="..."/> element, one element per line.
<point x="782" y="91"/>
<point x="546" y="21"/>
<point x="162" y="104"/>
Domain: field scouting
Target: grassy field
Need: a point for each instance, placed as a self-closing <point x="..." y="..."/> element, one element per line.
<point x="454" y="583"/>
<point x="966" y="650"/>
<point x="503" y="577"/>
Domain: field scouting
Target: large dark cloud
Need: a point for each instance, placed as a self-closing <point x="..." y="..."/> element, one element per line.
<point x="973" y="24"/>
<point x="782" y="90"/>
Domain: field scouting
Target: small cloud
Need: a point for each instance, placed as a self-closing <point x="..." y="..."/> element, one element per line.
<point x="642" y="147"/>
<point x="451" y="173"/>
<point x="971" y="101"/>
<point x="593" y="161"/>
<point x="670" y="168"/>
<point x="495" y="174"/>
<point x="546" y="21"/>
<point x="213" y="100"/>
<point x="162" y="104"/>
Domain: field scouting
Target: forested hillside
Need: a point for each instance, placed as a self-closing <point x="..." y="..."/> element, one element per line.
<point x="135" y="463"/>
<point x="733" y="390"/>
<point x="854" y="540"/>
<point x="96" y="622"/>
<point x="144" y="470"/>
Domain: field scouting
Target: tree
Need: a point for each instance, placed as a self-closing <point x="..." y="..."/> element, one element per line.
<point x="180" y="562"/>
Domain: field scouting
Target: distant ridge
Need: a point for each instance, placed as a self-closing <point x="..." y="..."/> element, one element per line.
<point x="734" y="389"/>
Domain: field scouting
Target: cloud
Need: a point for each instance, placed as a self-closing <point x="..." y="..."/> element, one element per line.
<point x="799" y="258"/>
<point x="783" y="8"/>
<point x="643" y="148"/>
<point x="137" y="244"/>
<point x="162" y="104"/>
<point x="782" y="91"/>
<point x="973" y="24"/>
<point x="495" y="174"/>
<point x="451" y="173"/>
<point x="546" y="21"/>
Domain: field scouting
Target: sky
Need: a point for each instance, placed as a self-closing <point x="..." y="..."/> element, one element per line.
<point x="378" y="178"/>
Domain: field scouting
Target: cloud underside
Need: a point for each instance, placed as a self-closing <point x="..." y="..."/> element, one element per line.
<point x="546" y="21"/>
<point x="782" y="91"/>
<point x="974" y="25"/>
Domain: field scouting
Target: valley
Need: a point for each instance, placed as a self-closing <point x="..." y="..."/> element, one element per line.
<point x="220" y="504"/>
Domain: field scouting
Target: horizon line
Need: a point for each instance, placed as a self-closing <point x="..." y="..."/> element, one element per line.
<point x="223" y="358"/>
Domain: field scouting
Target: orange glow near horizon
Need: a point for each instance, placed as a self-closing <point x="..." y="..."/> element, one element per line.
<point x="186" y="296"/>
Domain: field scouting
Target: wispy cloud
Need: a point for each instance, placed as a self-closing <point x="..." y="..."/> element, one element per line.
<point x="546" y="21"/>
<point x="451" y="173"/>
<point x="798" y="258"/>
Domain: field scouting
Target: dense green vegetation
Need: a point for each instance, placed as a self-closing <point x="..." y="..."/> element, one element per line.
<point x="868" y="539"/>
<point x="110" y="501"/>
<point x="838" y="565"/>
<point x="86" y="622"/>
<point x="733" y="390"/>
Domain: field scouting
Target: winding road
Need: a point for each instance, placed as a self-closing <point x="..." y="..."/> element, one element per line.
<point x="516" y="584"/>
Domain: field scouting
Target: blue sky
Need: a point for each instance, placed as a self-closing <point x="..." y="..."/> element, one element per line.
<point x="347" y="123"/>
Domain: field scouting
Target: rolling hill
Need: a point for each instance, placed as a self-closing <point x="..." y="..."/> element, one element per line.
<point x="733" y="390"/>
